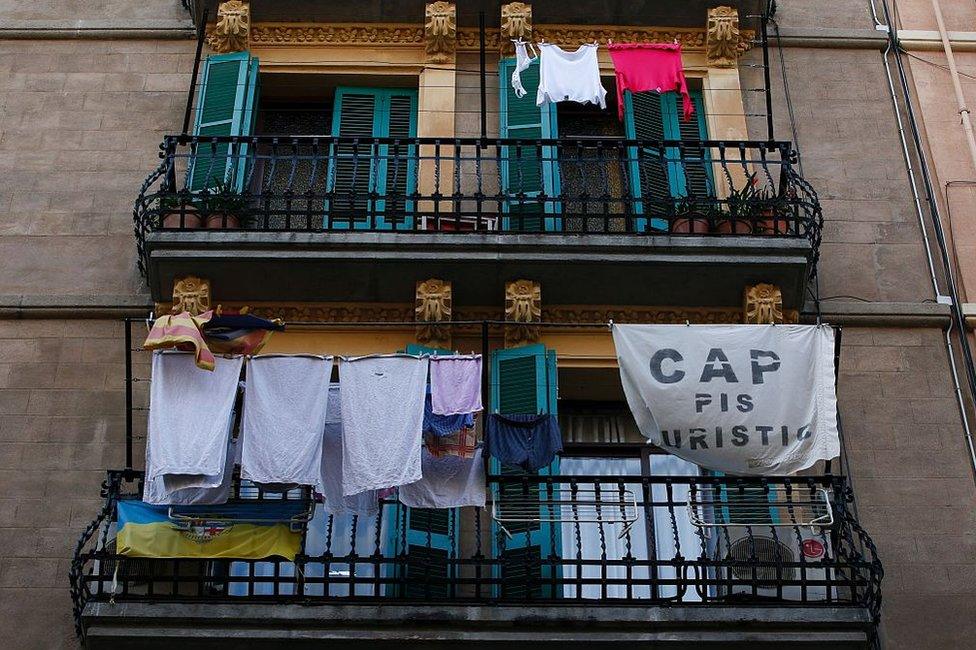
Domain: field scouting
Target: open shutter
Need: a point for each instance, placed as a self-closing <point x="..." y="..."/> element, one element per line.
<point x="523" y="381"/>
<point x="658" y="174"/>
<point x="370" y="182"/>
<point x="696" y="179"/>
<point x="644" y="120"/>
<point x="427" y="537"/>
<point x="529" y="174"/>
<point x="225" y="106"/>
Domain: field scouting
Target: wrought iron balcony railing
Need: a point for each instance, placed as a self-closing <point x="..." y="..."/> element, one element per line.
<point x="575" y="186"/>
<point x="598" y="540"/>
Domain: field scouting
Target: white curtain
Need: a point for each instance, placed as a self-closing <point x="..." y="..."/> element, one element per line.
<point x="584" y="539"/>
<point x="689" y="541"/>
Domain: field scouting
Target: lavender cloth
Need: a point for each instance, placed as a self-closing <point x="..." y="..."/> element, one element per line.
<point x="455" y="384"/>
<point x="382" y="401"/>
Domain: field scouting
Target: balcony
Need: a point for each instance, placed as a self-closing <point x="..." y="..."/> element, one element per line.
<point x="363" y="219"/>
<point x="566" y="559"/>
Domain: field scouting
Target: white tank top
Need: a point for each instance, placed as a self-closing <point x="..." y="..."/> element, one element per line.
<point x="569" y="76"/>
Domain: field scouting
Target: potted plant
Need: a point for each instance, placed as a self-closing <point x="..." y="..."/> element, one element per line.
<point x="688" y="217"/>
<point x="775" y="212"/>
<point x="741" y="207"/>
<point x="179" y="211"/>
<point x="223" y="206"/>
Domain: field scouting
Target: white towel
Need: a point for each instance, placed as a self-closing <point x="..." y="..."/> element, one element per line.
<point x="455" y="384"/>
<point x="182" y="490"/>
<point x="330" y="485"/>
<point x="284" y="417"/>
<point x="189" y="418"/>
<point x="382" y="419"/>
<point x="448" y="482"/>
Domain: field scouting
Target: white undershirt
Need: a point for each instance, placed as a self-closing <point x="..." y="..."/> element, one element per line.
<point x="569" y="76"/>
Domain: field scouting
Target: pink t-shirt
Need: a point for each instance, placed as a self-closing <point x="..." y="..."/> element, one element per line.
<point x="649" y="66"/>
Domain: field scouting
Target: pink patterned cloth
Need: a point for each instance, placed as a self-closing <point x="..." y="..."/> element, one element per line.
<point x="642" y="67"/>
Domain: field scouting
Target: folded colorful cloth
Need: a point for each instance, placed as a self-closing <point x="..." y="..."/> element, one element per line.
<point x="182" y="332"/>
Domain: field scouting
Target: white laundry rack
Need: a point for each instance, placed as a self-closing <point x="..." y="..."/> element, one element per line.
<point x="720" y="506"/>
<point x="565" y="505"/>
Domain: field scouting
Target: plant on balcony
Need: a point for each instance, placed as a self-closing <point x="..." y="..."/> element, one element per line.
<point x="741" y="206"/>
<point x="690" y="217"/>
<point x="180" y="211"/>
<point x="775" y="212"/>
<point x="222" y="206"/>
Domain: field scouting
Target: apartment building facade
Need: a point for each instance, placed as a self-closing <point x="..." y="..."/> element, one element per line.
<point x="368" y="174"/>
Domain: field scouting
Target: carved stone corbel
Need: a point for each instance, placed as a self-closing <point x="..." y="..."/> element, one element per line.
<point x="762" y="304"/>
<point x="440" y="31"/>
<point x="231" y="33"/>
<point x="191" y="294"/>
<point x="722" y="37"/>
<point x="434" y="304"/>
<point x="516" y="23"/>
<point x="523" y="309"/>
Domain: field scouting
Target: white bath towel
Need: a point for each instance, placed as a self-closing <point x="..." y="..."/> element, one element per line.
<point x="448" y="482"/>
<point x="330" y="485"/>
<point x="284" y="417"/>
<point x="382" y="418"/>
<point x="184" y="490"/>
<point x="455" y="384"/>
<point x="189" y="418"/>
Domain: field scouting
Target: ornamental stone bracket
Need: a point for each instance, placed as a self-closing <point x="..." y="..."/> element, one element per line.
<point x="440" y="32"/>
<point x="191" y="294"/>
<point x="434" y="304"/>
<point x="231" y="32"/>
<point x="516" y="24"/>
<point x="722" y="38"/>
<point x="762" y="304"/>
<point x="523" y="312"/>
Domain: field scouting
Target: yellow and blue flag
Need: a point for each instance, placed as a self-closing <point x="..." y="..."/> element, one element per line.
<point x="245" y="531"/>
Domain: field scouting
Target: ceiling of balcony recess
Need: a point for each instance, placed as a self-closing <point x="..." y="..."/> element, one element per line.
<point x="672" y="13"/>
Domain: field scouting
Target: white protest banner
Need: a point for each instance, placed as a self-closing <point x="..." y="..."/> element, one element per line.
<point x="743" y="399"/>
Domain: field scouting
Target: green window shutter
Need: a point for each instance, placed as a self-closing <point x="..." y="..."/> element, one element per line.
<point x="657" y="174"/>
<point x="373" y="183"/>
<point x="697" y="177"/>
<point x="225" y="106"/>
<point x="528" y="170"/>
<point x="523" y="381"/>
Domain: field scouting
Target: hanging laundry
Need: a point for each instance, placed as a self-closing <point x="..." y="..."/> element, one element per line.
<point x="522" y="63"/>
<point x="463" y="443"/>
<point x="284" y="416"/>
<point x="190" y="418"/>
<point x="444" y="425"/>
<point x="182" y="332"/>
<point x="239" y="333"/>
<point x="527" y="441"/>
<point x="455" y="384"/>
<point x="448" y="482"/>
<point x="570" y="76"/>
<point x="181" y="489"/>
<point x="330" y="481"/>
<point x="643" y="67"/>
<point x="241" y="531"/>
<point x="382" y="419"/>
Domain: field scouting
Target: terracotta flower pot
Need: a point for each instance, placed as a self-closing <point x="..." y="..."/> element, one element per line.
<point x="733" y="227"/>
<point x="222" y="221"/>
<point x="771" y="226"/>
<point x="693" y="225"/>
<point x="188" y="220"/>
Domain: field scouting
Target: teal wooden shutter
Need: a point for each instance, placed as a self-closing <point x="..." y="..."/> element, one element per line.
<point x="529" y="170"/>
<point x="225" y="106"/>
<point x="427" y="537"/>
<point x="373" y="184"/>
<point x="658" y="175"/>
<point x="524" y="381"/>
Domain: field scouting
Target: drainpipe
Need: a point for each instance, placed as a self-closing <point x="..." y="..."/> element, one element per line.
<point x="964" y="114"/>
